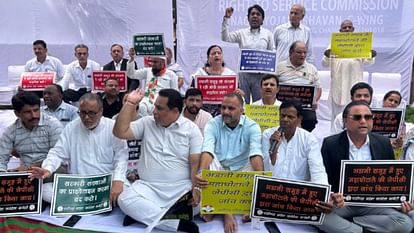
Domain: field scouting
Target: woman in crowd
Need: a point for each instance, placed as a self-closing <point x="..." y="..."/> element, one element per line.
<point x="392" y="99"/>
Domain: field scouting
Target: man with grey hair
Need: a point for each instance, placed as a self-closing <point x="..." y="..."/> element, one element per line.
<point x="78" y="76"/>
<point x="286" y="34"/>
<point x="89" y="146"/>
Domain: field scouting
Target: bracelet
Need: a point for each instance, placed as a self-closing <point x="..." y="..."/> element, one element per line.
<point x="197" y="188"/>
<point x="129" y="101"/>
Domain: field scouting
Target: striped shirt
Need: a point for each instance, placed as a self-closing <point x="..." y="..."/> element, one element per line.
<point x="31" y="145"/>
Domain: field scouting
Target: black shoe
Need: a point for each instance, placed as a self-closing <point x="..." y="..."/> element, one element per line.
<point x="187" y="226"/>
<point x="128" y="221"/>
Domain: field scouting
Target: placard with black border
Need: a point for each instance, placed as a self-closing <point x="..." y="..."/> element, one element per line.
<point x="376" y="183"/>
<point x="288" y="200"/>
<point x="388" y="121"/>
<point x="147" y="44"/>
<point x="19" y="195"/>
<point x="257" y="61"/>
<point x="304" y="93"/>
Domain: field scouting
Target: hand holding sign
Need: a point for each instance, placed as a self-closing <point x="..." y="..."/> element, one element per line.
<point x="117" y="187"/>
<point x="131" y="54"/>
<point x="39" y="173"/>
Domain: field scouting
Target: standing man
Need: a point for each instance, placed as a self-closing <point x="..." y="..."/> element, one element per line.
<point x="269" y="87"/>
<point x="175" y="67"/>
<point x="232" y="142"/>
<point x="255" y="37"/>
<point x="296" y="70"/>
<point x="78" y="76"/>
<point x="90" y="147"/>
<point x="32" y="135"/>
<point x="286" y="34"/>
<point x="112" y="100"/>
<point x="56" y="107"/>
<point x="43" y="62"/>
<point x="358" y="143"/>
<point x="193" y="101"/>
<point x="119" y="63"/>
<point x="345" y="72"/>
<point x="170" y="154"/>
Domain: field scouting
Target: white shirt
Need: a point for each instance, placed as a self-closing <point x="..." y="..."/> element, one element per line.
<point x="168" y="80"/>
<point x="260" y="102"/>
<point x="345" y="72"/>
<point x="50" y="64"/>
<point x="201" y="119"/>
<point x="89" y="152"/>
<point x="65" y="113"/>
<point x="164" y="166"/>
<point x="76" y="77"/>
<point x="286" y="34"/>
<point x="247" y="38"/>
<point x="298" y="159"/>
<point x="363" y="153"/>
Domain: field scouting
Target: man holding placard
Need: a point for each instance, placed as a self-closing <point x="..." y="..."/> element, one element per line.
<point x="297" y="71"/>
<point x="255" y="37"/>
<point x="231" y="143"/>
<point x="345" y="72"/>
<point x="357" y="143"/>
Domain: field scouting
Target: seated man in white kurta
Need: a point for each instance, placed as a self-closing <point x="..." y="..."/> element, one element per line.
<point x="170" y="154"/>
<point x="89" y="146"/>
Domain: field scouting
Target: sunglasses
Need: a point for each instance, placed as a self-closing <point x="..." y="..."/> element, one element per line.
<point x="358" y="117"/>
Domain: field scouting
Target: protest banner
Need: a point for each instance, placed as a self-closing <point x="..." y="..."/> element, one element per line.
<point x="387" y="121"/>
<point x="288" y="200"/>
<point x="267" y="116"/>
<point x="257" y="61"/>
<point x="182" y="209"/>
<point x="36" y="81"/>
<point x="19" y="195"/>
<point x="214" y="88"/>
<point x="79" y="195"/>
<point x="351" y="44"/>
<point x="228" y="192"/>
<point x="149" y="44"/>
<point x="99" y="77"/>
<point x="376" y="183"/>
<point x="303" y="93"/>
<point x="134" y="152"/>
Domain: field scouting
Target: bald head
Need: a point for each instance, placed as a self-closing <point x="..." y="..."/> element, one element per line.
<point x="347" y="26"/>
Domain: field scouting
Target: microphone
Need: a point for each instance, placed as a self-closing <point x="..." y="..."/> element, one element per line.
<point x="273" y="143"/>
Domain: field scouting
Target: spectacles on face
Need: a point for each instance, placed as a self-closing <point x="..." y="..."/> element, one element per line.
<point x="358" y="117"/>
<point x="90" y="114"/>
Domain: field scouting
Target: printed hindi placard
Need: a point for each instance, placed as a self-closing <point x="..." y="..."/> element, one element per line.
<point x="229" y="192"/>
<point x="149" y="44"/>
<point x="19" y="195"/>
<point x="288" y="200"/>
<point x="376" y="183"/>
<point x="36" y="81"/>
<point x="302" y="93"/>
<point x="214" y="88"/>
<point x="387" y="121"/>
<point x="79" y="195"/>
<point x="267" y="116"/>
<point x="257" y="61"/>
<point x="182" y="209"/>
<point x="99" y="77"/>
<point x="351" y="44"/>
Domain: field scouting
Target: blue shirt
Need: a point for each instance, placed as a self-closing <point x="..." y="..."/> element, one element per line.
<point x="232" y="148"/>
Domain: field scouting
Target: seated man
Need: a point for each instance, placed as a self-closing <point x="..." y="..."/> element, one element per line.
<point x="359" y="92"/>
<point x="78" y="76"/>
<point x="56" y="107"/>
<point x="31" y="136"/>
<point x="296" y="70"/>
<point x="89" y="146"/>
<point x="269" y="87"/>
<point x="232" y="142"/>
<point x="193" y="101"/>
<point x="358" y="143"/>
<point x="111" y="98"/>
<point x="170" y="154"/>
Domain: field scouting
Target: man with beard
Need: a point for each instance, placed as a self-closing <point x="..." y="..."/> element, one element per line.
<point x="193" y="101"/>
<point x="232" y="142"/>
<point x="31" y="135"/>
<point x="112" y="100"/>
<point x="56" y="107"/>
<point x="89" y="146"/>
<point x="152" y="80"/>
<point x="255" y="37"/>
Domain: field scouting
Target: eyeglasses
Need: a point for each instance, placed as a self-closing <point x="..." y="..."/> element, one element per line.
<point x="358" y="117"/>
<point x="90" y="114"/>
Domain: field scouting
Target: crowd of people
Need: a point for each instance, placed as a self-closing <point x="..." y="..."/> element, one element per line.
<point x="80" y="132"/>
